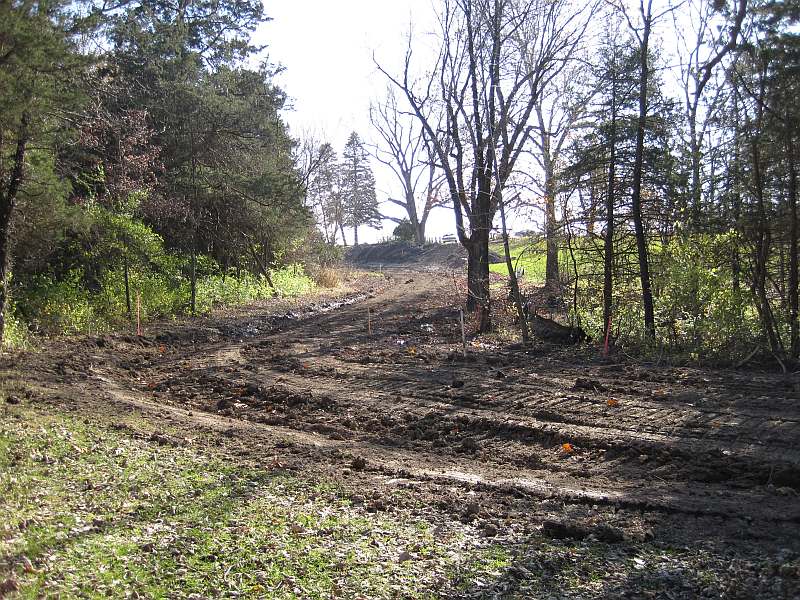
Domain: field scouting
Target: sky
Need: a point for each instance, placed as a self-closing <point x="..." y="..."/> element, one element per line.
<point x="327" y="50"/>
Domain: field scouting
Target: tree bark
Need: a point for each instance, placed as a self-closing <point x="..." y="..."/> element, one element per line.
<point x="608" y="254"/>
<point x="512" y="277"/>
<point x="794" y="323"/>
<point x="638" y="168"/>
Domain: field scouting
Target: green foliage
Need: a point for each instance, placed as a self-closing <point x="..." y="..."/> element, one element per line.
<point x="699" y="313"/>
<point x="404" y="231"/>
<point x="55" y="306"/>
<point x="292" y="281"/>
<point x="91" y="296"/>
<point x="698" y="309"/>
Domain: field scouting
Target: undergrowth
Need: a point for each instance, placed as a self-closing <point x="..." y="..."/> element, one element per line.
<point x="52" y="306"/>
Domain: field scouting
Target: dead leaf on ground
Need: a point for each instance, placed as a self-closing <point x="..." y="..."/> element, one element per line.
<point x="7" y="586"/>
<point x="27" y="565"/>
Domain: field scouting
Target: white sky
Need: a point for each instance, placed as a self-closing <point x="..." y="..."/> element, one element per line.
<point x="327" y="47"/>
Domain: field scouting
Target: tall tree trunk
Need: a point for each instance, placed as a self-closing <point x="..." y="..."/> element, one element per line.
<point x="355" y="235"/>
<point x="478" y="262"/>
<point x="736" y="199"/>
<point x="551" y="233"/>
<point x="193" y="279"/>
<point x="8" y="199"/>
<point x="478" y="283"/>
<point x="551" y="226"/>
<point x="127" y="285"/>
<point x="794" y="323"/>
<point x="762" y="256"/>
<point x="512" y="275"/>
<point x="696" y="186"/>
<point x="608" y="254"/>
<point x="638" y="168"/>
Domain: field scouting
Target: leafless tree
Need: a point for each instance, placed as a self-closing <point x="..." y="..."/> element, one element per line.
<point x="407" y="151"/>
<point x="703" y="44"/>
<point x="486" y="93"/>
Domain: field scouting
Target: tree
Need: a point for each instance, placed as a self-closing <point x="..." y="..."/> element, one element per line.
<point x="407" y="152"/>
<point x="39" y="66"/>
<point x="704" y="54"/>
<point x="358" y="187"/>
<point x="485" y="92"/>
<point x="642" y="32"/>
<point x="325" y="195"/>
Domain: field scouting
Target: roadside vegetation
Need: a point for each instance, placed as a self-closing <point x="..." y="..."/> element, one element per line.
<point x="701" y="317"/>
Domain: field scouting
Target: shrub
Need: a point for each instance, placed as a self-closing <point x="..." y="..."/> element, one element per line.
<point x="327" y="278"/>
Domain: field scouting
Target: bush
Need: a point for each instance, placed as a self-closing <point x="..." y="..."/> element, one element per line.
<point x="327" y="278"/>
<point x="291" y="281"/>
<point x="404" y="231"/>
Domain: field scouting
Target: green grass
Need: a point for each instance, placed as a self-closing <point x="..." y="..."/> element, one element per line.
<point x="527" y="254"/>
<point x="104" y="512"/>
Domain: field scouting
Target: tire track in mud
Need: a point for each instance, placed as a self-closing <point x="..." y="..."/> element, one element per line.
<point x="500" y="420"/>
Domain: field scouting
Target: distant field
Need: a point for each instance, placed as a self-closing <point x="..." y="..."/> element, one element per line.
<point x="526" y="254"/>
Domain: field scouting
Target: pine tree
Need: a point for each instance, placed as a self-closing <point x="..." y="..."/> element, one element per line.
<point x="325" y="196"/>
<point x="358" y="187"/>
<point x="39" y="66"/>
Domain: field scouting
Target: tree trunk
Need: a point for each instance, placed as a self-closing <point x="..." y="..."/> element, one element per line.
<point x="478" y="284"/>
<point x="696" y="186"/>
<point x="794" y="323"/>
<point x="512" y="277"/>
<point x="355" y="235"/>
<point x="638" y="168"/>
<point x="736" y="261"/>
<point x="608" y="255"/>
<point x="127" y="286"/>
<point x="551" y="226"/>
<point x="193" y="280"/>
<point x="762" y="256"/>
<point x="551" y="234"/>
<point x="8" y="199"/>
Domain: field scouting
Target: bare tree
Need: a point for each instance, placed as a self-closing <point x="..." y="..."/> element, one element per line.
<point x="704" y="52"/>
<point x="562" y="103"/>
<point x="486" y="93"/>
<point x="407" y="151"/>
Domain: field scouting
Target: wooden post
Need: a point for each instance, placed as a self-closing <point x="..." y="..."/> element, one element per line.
<point x="369" y="321"/>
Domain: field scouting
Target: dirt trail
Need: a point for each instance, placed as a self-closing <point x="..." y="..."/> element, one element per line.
<point x="654" y="451"/>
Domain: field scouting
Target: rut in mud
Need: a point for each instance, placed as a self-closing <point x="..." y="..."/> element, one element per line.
<point x="538" y="434"/>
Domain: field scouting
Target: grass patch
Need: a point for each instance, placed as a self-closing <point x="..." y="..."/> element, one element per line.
<point x="101" y="511"/>
<point x="527" y="254"/>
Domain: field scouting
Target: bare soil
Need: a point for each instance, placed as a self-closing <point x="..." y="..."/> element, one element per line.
<point x="371" y="388"/>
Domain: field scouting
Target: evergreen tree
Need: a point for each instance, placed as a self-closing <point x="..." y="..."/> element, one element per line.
<point x="39" y="70"/>
<point x="325" y="196"/>
<point x="358" y="187"/>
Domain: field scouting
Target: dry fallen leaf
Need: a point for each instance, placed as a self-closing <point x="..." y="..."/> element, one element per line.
<point x="27" y="566"/>
<point x="8" y="586"/>
<point x="612" y="402"/>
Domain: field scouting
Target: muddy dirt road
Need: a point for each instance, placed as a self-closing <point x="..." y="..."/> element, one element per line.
<point x="553" y="441"/>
